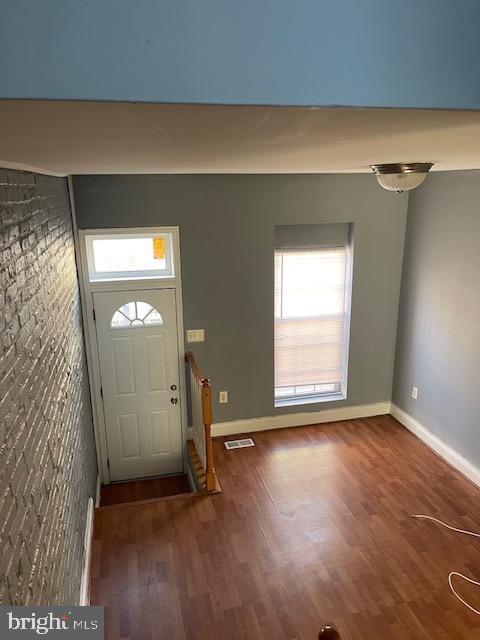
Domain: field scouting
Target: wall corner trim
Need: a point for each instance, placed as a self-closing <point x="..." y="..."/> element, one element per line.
<point x="299" y="419"/>
<point x="85" y="582"/>
<point x="452" y="457"/>
<point x="98" y="491"/>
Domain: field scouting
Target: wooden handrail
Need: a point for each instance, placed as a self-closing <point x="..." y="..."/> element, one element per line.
<point x="190" y="360"/>
<point x="206" y="399"/>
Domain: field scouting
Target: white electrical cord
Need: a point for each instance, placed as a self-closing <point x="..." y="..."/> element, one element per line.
<point x="455" y="573"/>
<point x="460" y="575"/>
<point x="468" y="533"/>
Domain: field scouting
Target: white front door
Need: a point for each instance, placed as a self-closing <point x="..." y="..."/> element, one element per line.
<point x="139" y="367"/>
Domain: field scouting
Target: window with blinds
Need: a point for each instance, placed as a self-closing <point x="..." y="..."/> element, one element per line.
<point x="310" y="323"/>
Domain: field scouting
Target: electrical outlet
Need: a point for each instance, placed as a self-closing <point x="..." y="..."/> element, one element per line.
<point x="222" y="397"/>
<point x="195" y="335"/>
<point x="414" y="393"/>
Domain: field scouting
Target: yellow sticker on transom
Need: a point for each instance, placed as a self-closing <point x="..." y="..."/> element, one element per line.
<point x="159" y="248"/>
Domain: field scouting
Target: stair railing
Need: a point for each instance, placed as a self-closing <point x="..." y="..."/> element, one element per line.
<point x="200" y="447"/>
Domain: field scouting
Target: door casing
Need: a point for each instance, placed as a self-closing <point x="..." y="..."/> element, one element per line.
<point x="87" y="288"/>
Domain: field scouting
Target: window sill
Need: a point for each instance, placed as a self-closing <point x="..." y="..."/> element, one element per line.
<point x="293" y="402"/>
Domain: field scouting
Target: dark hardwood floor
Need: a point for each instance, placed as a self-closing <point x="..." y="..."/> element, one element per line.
<point x="313" y="527"/>
<point x="123" y="492"/>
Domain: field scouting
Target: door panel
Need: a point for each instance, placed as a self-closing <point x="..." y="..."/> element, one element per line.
<point x="123" y="365"/>
<point x="156" y="360"/>
<point x="159" y="432"/>
<point x="129" y="435"/>
<point x="138" y="365"/>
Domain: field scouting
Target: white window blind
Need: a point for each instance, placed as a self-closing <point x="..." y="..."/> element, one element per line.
<point x="310" y="321"/>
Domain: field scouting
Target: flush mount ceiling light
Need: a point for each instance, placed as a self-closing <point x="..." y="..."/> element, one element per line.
<point x="401" y="176"/>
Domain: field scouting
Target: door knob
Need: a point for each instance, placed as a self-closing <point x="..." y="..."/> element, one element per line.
<point x="174" y="400"/>
<point x="173" y="387"/>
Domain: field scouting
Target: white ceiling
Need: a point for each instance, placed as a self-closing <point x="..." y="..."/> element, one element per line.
<point x="105" y="137"/>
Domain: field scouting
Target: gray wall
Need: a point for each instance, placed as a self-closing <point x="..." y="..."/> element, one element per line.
<point x="48" y="468"/>
<point x="438" y="348"/>
<point x="367" y="53"/>
<point x="227" y="228"/>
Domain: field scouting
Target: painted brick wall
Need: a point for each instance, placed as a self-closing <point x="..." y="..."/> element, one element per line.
<point x="47" y="460"/>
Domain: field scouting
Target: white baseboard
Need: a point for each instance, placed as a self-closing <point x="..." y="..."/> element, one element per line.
<point x="446" y="452"/>
<point x="87" y="553"/>
<point x="299" y="419"/>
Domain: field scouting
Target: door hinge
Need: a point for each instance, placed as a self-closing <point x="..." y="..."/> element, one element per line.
<point x="108" y="464"/>
<point x="101" y="392"/>
<point x="94" y="316"/>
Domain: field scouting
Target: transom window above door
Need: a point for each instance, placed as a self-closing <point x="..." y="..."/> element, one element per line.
<point x="135" y="256"/>
<point x="135" y="314"/>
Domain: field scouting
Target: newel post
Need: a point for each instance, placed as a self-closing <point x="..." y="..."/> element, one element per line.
<point x="207" y="422"/>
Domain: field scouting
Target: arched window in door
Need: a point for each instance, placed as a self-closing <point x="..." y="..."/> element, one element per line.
<point x="135" y="314"/>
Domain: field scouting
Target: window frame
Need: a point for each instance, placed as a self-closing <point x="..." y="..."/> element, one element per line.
<point x="341" y="394"/>
<point x="125" y="276"/>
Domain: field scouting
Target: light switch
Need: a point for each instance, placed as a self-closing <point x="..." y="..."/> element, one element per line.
<point x="195" y="335"/>
<point x="223" y="397"/>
